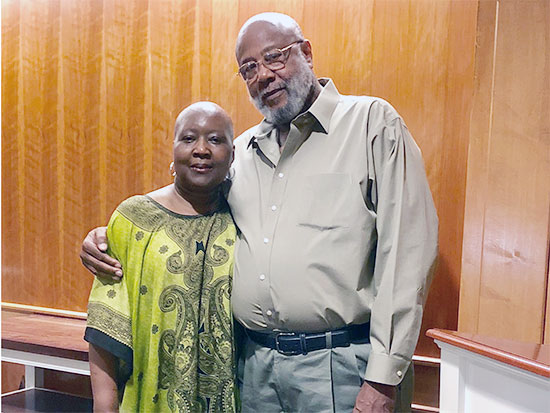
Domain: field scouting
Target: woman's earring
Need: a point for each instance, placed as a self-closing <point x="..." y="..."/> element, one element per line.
<point x="172" y="170"/>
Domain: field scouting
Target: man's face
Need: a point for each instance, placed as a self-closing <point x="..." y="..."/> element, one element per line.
<point x="280" y="94"/>
<point x="203" y="150"/>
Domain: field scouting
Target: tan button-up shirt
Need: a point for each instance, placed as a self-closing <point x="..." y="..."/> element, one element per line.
<point x="338" y="229"/>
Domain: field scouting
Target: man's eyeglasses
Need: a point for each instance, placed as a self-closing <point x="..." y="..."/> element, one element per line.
<point x="274" y="59"/>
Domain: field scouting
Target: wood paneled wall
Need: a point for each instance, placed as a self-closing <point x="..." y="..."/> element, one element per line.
<point x="506" y="230"/>
<point x="91" y="88"/>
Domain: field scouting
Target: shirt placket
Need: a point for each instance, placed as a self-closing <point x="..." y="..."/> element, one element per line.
<point x="272" y="211"/>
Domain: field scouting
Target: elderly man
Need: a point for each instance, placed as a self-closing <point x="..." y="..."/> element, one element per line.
<point x="337" y="237"/>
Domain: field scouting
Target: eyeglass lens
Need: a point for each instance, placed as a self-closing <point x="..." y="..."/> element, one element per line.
<point x="274" y="60"/>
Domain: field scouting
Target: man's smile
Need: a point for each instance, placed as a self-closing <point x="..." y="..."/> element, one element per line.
<point x="273" y="94"/>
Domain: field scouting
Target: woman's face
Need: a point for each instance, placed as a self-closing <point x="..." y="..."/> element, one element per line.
<point x="203" y="149"/>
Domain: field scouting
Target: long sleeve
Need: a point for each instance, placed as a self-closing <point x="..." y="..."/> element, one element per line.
<point x="406" y="226"/>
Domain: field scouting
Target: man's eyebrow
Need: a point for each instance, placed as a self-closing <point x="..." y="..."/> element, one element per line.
<point x="248" y="59"/>
<point x="262" y="53"/>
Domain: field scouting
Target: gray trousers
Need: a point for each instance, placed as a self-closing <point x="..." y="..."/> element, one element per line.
<point x="326" y="380"/>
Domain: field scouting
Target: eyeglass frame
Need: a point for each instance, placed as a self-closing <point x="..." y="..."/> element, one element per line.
<point x="282" y="50"/>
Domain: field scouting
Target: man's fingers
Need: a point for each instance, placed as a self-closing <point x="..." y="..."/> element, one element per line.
<point x="370" y="400"/>
<point x="102" y="274"/>
<point x="90" y="250"/>
<point x="90" y="268"/>
<point x="94" y="257"/>
<point x="101" y="267"/>
<point x="98" y="235"/>
<point x="95" y="244"/>
<point x="108" y="276"/>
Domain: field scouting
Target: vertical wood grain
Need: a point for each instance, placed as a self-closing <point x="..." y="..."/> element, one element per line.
<point x="546" y="339"/>
<point x="13" y="375"/>
<point x="506" y="255"/>
<point x="445" y="149"/>
<point x="12" y="214"/>
<point x="477" y="178"/>
<point x="91" y="90"/>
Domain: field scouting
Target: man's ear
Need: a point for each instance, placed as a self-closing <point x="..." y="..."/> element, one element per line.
<point x="305" y="46"/>
<point x="232" y="155"/>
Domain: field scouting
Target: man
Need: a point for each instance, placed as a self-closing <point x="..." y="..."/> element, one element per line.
<point x="337" y="236"/>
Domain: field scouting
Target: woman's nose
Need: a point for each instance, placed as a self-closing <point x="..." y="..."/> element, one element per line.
<point x="201" y="148"/>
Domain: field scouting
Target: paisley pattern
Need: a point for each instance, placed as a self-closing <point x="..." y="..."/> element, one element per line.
<point x="177" y="353"/>
<point x="175" y="294"/>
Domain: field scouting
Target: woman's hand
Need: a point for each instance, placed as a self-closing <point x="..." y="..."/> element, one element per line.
<point x="94" y="257"/>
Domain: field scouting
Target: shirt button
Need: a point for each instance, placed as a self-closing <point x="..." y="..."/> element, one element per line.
<point x="269" y="313"/>
<point x="274" y="207"/>
<point x="266" y="240"/>
<point x="262" y="277"/>
<point x="281" y="174"/>
<point x="399" y="373"/>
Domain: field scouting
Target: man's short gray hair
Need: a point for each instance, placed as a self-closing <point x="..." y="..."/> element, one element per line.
<point x="283" y="21"/>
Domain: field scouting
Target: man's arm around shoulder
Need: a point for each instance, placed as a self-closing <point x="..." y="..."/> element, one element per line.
<point x="94" y="257"/>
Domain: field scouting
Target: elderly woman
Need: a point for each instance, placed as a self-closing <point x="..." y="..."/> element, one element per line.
<point x="161" y="338"/>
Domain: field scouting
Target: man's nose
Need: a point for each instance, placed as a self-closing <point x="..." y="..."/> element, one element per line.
<point x="264" y="73"/>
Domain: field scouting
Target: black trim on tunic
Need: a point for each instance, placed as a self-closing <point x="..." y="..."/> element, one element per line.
<point x="117" y="349"/>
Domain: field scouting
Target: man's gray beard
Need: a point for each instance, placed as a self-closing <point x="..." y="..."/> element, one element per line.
<point x="298" y="89"/>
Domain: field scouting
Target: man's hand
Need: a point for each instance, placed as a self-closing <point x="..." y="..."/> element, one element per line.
<point x="94" y="258"/>
<point x="375" y="398"/>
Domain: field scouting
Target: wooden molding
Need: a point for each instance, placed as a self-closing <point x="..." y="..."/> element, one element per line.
<point x="421" y="408"/>
<point x="43" y="310"/>
<point x="44" y="334"/>
<point x="527" y="356"/>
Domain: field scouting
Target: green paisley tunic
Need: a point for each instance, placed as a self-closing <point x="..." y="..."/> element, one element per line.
<point x="168" y="322"/>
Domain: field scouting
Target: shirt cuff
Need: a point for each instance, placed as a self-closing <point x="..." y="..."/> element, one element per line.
<point x="385" y="369"/>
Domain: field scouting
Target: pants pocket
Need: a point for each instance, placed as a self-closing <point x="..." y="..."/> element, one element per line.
<point x="347" y="369"/>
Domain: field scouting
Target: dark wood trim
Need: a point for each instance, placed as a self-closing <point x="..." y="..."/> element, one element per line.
<point x="44" y="334"/>
<point x="531" y="357"/>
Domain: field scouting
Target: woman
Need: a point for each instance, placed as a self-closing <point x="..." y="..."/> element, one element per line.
<point x="161" y="339"/>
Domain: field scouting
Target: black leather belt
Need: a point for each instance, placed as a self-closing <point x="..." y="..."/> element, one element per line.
<point x="302" y="343"/>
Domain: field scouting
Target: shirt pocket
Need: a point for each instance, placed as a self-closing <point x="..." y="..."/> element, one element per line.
<point x="327" y="201"/>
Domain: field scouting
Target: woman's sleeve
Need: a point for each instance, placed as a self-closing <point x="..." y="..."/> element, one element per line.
<point x="109" y="323"/>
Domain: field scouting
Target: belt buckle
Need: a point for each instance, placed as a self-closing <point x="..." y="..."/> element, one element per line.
<point x="286" y="353"/>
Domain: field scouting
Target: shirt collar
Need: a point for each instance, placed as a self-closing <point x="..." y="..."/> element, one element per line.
<point x="325" y="104"/>
<point x="322" y="110"/>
